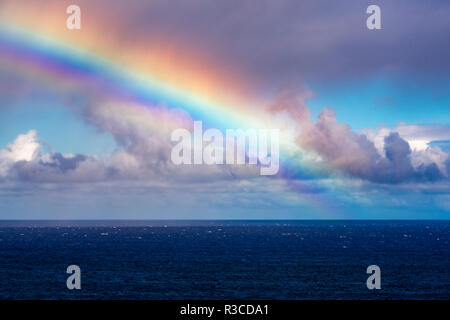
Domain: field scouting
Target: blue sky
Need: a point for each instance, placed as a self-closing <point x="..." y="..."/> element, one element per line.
<point x="384" y="101"/>
<point x="58" y="125"/>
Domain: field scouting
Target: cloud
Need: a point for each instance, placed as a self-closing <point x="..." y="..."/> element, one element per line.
<point x="447" y="165"/>
<point x="422" y="141"/>
<point x="63" y="170"/>
<point x="428" y="132"/>
<point x="143" y="135"/>
<point x="24" y="160"/>
<point x="25" y="147"/>
<point x="278" y="42"/>
<point x="273" y="44"/>
<point x="354" y="154"/>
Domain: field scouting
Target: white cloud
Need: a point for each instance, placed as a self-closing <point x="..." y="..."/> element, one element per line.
<point x="25" y="147"/>
<point x="424" y="132"/>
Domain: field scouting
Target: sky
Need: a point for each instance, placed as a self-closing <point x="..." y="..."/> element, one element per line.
<point x="86" y="115"/>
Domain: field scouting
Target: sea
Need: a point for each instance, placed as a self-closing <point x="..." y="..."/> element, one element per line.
<point x="196" y="260"/>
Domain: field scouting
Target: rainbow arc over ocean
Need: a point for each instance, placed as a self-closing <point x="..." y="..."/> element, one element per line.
<point x="65" y="66"/>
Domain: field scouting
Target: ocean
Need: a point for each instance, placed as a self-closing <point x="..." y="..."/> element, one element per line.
<point x="164" y="260"/>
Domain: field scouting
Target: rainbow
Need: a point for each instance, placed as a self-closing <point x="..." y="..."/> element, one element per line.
<point x="68" y="67"/>
<point x="39" y="55"/>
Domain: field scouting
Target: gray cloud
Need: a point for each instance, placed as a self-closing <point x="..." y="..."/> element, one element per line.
<point x="145" y="151"/>
<point x="280" y="43"/>
<point x="428" y="132"/>
<point x="64" y="163"/>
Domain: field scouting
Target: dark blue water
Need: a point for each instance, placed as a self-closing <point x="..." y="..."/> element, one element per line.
<point x="225" y="260"/>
